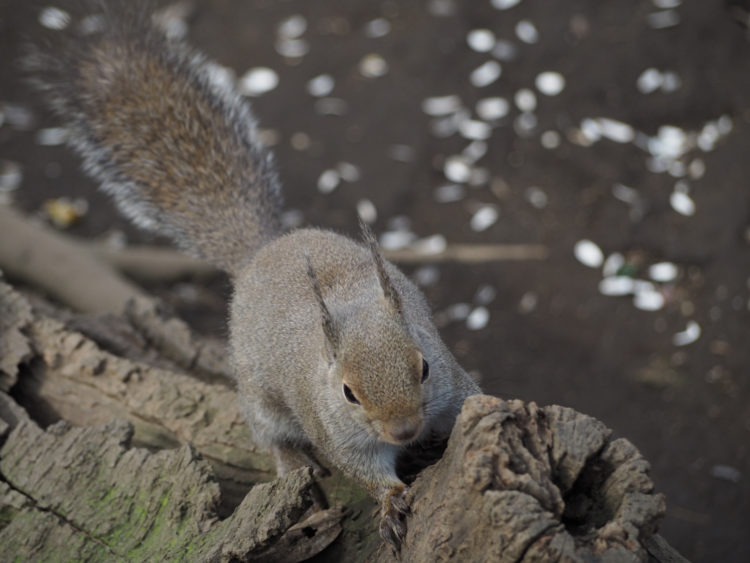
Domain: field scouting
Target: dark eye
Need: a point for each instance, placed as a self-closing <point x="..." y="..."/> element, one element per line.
<point x="425" y="370"/>
<point x="350" y="395"/>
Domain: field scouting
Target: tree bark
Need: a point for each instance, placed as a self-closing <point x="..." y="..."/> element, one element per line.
<point x="146" y="457"/>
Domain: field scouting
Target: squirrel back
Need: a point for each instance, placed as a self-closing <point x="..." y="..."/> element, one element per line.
<point x="178" y="151"/>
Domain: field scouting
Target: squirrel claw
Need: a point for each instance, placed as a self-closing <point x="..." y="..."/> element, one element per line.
<point x="393" y="513"/>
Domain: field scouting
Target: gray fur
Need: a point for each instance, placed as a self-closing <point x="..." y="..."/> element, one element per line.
<point x="292" y="394"/>
<point x="329" y="325"/>
<point x="224" y="210"/>
<point x="298" y="297"/>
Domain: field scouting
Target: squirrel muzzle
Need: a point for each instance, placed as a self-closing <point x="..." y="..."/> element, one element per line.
<point x="402" y="431"/>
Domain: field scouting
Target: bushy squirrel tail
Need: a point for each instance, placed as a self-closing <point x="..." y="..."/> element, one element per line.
<point x="178" y="151"/>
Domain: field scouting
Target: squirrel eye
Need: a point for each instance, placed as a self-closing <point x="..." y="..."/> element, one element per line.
<point x="350" y="395"/>
<point x="425" y="370"/>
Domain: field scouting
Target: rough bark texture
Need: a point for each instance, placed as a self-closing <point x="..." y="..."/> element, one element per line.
<point x="526" y="483"/>
<point x="15" y="316"/>
<point x="82" y="493"/>
<point x="532" y="484"/>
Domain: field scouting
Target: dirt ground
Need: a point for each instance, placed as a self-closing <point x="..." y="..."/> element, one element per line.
<point x="551" y="335"/>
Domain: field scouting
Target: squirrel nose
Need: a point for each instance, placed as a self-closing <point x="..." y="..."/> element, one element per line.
<point x="405" y="431"/>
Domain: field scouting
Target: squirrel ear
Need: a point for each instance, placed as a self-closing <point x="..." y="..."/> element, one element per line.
<point x="329" y="326"/>
<point x="386" y="284"/>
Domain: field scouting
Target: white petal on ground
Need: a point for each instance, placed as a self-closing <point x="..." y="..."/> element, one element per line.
<point x="649" y="81"/>
<point x="393" y="240"/>
<point x="474" y="151"/>
<point x="348" y="172"/>
<point x="493" y="108"/>
<point x="537" y="197"/>
<point x="485" y="74"/>
<point x="441" y="105"/>
<point x="11" y="175"/>
<point x="51" y="136"/>
<point x="474" y="130"/>
<point x="449" y="193"/>
<point x="612" y="264"/>
<point x="588" y="253"/>
<point x="648" y="299"/>
<point x="292" y="27"/>
<point x="616" y="285"/>
<point x="663" y="19"/>
<point x="321" y="85"/>
<point x="682" y="203"/>
<point x="481" y="40"/>
<point x="663" y="272"/>
<point x="378" y="27"/>
<point x="526" y="31"/>
<point x="504" y="4"/>
<point x="525" y="100"/>
<point x="367" y="211"/>
<point x="456" y="169"/>
<point x="54" y="18"/>
<point x="458" y="311"/>
<point x="478" y="318"/>
<point x="485" y="294"/>
<point x="258" y="81"/>
<point x="292" y="48"/>
<point x="550" y="83"/>
<point x="328" y="181"/>
<point x="373" y="66"/>
<point x="484" y="218"/>
<point x="427" y="276"/>
<point x="616" y="130"/>
<point x="550" y="139"/>
<point x="691" y="333"/>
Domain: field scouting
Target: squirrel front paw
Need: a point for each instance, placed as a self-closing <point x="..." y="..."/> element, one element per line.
<point x="393" y="510"/>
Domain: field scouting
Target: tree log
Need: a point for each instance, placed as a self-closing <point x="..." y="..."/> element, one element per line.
<point x="532" y="484"/>
<point x="526" y="483"/>
<point x="84" y="494"/>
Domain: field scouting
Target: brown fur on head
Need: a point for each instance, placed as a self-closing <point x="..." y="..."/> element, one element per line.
<point x="382" y="368"/>
<point x="377" y="366"/>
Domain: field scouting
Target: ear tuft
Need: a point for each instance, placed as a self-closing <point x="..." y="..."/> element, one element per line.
<point x="389" y="291"/>
<point x="329" y="326"/>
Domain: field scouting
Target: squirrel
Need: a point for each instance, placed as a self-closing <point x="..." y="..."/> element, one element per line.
<point x="333" y="348"/>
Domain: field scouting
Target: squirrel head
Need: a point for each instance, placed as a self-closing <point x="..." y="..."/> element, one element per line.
<point x="376" y="368"/>
<point x="380" y="373"/>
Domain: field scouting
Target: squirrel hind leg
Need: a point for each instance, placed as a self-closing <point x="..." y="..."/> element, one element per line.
<point x="274" y="430"/>
<point x="288" y="458"/>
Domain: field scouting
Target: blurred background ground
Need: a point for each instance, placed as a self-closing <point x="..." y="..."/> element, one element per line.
<point x="675" y="380"/>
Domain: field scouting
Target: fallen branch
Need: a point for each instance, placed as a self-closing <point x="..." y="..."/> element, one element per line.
<point x="66" y="269"/>
<point x="86" y="275"/>
<point x="151" y="263"/>
<point x="61" y="266"/>
<point x="469" y="253"/>
<point x="162" y="264"/>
